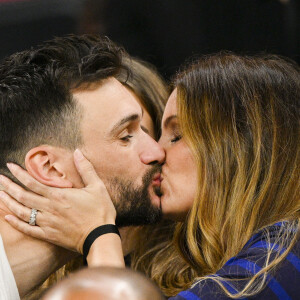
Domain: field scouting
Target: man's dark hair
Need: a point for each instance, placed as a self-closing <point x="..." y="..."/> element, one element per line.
<point x="36" y="103"/>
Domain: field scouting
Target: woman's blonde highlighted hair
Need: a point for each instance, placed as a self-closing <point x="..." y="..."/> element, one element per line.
<point x="240" y="117"/>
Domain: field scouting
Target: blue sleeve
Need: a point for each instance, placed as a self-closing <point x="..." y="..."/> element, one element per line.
<point x="281" y="283"/>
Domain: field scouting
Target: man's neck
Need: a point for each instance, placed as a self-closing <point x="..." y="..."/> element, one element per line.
<point x="31" y="260"/>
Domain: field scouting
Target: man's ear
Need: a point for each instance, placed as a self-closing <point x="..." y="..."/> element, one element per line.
<point x="48" y="165"/>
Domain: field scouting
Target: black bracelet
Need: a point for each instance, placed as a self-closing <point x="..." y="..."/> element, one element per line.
<point x="94" y="234"/>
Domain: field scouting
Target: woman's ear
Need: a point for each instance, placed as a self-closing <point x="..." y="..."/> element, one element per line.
<point x="47" y="165"/>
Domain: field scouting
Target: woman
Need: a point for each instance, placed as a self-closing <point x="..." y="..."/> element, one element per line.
<point x="230" y="132"/>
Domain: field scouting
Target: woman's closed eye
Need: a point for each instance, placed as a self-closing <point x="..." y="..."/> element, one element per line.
<point x="176" y="138"/>
<point x="126" y="138"/>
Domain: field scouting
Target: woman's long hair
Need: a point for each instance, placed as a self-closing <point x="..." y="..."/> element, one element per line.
<point x="148" y="86"/>
<point x="240" y="117"/>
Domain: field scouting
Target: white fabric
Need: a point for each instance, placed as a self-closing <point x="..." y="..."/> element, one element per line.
<point x="8" y="286"/>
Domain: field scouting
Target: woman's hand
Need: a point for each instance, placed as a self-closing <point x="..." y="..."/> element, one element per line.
<point x="65" y="216"/>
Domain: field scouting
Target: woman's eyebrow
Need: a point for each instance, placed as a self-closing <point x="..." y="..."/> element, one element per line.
<point x="168" y="120"/>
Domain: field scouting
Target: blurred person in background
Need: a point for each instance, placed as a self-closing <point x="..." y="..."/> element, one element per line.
<point x="230" y="132"/>
<point x="105" y="283"/>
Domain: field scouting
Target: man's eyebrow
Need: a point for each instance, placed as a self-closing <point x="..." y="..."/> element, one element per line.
<point x="168" y="120"/>
<point x="126" y="119"/>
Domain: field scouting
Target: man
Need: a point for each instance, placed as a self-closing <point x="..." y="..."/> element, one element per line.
<point x="64" y="95"/>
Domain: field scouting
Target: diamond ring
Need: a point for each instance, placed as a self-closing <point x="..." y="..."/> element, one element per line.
<point x="33" y="217"/>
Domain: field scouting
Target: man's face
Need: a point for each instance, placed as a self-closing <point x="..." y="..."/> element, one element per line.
<point x="124" y="156"/>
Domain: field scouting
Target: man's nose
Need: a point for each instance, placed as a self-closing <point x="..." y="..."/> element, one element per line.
<point x="153" y="153"/>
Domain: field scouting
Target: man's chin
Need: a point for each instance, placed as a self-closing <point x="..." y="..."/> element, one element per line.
<point x="139" y="218"/>
<point x="137" y="205"/>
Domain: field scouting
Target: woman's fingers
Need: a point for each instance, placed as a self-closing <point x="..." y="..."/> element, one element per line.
<point x="21" y="211"/>
<point x="26" y="179"/>
<point x="34" y="231"/>
<point x="86" y="169"/>
<point x="27" y="198"/>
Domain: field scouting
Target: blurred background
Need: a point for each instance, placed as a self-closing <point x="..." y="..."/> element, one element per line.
<point x="163" y="32"/>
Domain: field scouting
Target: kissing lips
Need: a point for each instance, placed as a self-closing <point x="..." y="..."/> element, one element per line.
<point x="156" y="179"/>
<point x="154" y="189"/>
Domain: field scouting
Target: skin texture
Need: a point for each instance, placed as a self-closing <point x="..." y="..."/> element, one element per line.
<point x="103" y="108"/>
<point x="179" y="173"/>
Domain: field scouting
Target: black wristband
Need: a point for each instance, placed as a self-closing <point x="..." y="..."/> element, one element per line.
<point x="94" y="234"/>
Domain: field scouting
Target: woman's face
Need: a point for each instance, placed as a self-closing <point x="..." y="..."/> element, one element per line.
<point x="179" y="172"/>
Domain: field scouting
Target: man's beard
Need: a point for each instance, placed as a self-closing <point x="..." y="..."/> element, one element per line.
<point x="133" y="204"/>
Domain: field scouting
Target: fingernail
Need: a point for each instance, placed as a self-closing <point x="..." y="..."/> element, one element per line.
<point x="11" y="166"/>
<point x="78" y="154"/>
<point x="8" y="217"/>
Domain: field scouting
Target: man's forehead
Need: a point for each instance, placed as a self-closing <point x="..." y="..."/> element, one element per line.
<point x="109" y="86"/>
<point x="105" y="105"/>
<point x="107" y="93"/>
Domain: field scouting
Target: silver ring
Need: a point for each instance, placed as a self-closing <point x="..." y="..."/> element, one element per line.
<point x="33" y="217"/>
